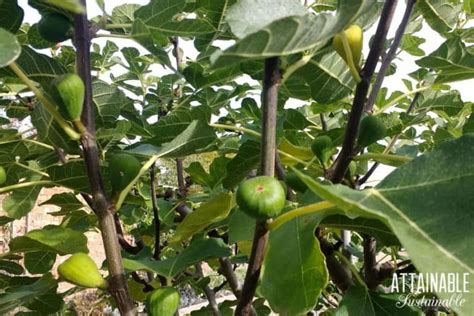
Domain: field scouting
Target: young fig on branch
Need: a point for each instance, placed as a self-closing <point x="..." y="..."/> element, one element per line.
<point x="322" y="147"/>
<point x="68" y="91"/>
<point x="55" y="27"/>
<point x="123" y="168"/>
<point x="3" y="175"/>
<point x="354" y="35"/>
<point x="371" y="129"/>
<point x="261" y="197"/>
<point x="81" y="270"/>
<point x="163" y="301"/>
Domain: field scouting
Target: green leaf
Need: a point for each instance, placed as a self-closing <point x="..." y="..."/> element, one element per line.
<point x="292" y="34"/>
<point x="451" y="61"/>
<point x="449" y="102"/>
<point x="74" y="6"/>
<point x="109" y="100"/>
<point x="245" y="161"/>
<point x="361" y="301"/>
<point x="415" y="201"/>
<point x="50" y="239"/>
<point x="173" y="124"/>
<point x="11" y="16"/>
<point x="39" y="262"/>
<point x="20" y="202"/>
<point x="11" y="267"/>
<point x="38" y="67"/>
<point x="294" y="270"/>
<point x="71" y="175"/>
<point x="211" y="211"/>
<point x="163" y="18"/>
<point x="441" y="16"/>
<point x="198" y="250"/>
<point x="68" y="202"/>
<point x="369" y="226"/>
<point x="47" y="304"/>
<point x="9" y="48"/>
<point x="26" y="293"/>
<point x="247" y="16"/>
<point x="195" y="138"/>
<point x="241" y="227"/>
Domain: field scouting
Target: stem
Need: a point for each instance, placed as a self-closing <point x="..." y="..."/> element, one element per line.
<point x="37" y="143"/>
<point x="294" y="67"/>
<point x="127" y="189"/>
<point x="338" y="169"/>
<point x="156" y="253"/>
<point x="118" y="26"/>
<point x="104" y="209"/>
<point x="113" y="36"/>
<point x="236" y="128"/>
<point x="31" y="169"/>
<point x="387" y="60"/>
<point x="308" y="209"/>
<point x="25" y="185"/>
<point x="271" y="81"/>
<point x="371" y="269"/>
<point x="46" y="103"/>
<point x="401" y="97"/>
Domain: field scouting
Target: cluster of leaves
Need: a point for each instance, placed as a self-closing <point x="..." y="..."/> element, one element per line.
<point x="201" y="106"/>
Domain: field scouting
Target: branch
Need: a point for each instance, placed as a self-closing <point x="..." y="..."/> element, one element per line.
<point x="371" y="268"/>
<point x="211" y="296"/>
<point x="271" y="81"/>
<point x="105" y="210"/>
<point x="338" y="169"/>
<point x="387" y="60"/>
<point x="228" y="272"/>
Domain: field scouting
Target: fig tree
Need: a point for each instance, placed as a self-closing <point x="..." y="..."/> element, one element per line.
<point x="55" y="27"/>
<point x="68" y="91"/>
<point x="81" y="270"/>
<point x="371" y="129"/>
<point x="163" y="301"/>
<point x="123" y="168"/>
<point x="322" y="148"/>
<point x="261" y="197"/>
<point x="354" y="35"/>
<point x="3" y="175"/>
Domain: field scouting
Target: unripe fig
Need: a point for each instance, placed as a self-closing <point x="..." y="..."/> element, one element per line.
<point x="55" y="27"/>
<point x="3" y="175"/>
<point x="354" y="35"/>
<point x="123" y="168"/>
<point x="81" y="270"/>
<point x="295" y="182"/>
<point x="261" y="197"/>
<point x="371" y="129"/>
<point x="68" y="90"/>
<point x="322" y="148"/>
<point x="163" y="301"/>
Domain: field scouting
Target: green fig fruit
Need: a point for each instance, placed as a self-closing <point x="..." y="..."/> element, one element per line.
<point x="68" y="91"/>
<point x="295" y="182"/>
<point x="3" y="175"/>
<point x="123" y="168"/>
<point x="55" y="27"/>
<point x="322" y="147"/>
<point x="261" y="197"/>
<point x="354" y="35"/>
<point x="81" y="270"/>
<point x="352" y="168"/>
<point x="163" y="301"/>
<point x="371" y="129"/>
